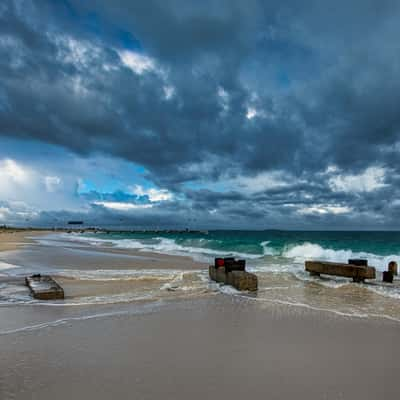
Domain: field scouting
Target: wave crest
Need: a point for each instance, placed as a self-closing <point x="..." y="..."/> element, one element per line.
<point x="312" y="251"/>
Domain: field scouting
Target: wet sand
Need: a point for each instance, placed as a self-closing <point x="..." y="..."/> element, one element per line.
<point x="71" y="255"/>
<point x="198" y="343"/>
<point x="217" y="348"/>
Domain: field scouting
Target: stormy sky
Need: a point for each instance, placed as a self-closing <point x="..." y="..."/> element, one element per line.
<point x="214" y="114"/>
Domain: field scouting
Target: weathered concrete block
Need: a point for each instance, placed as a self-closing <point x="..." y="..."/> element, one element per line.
<point x="234" y="265"/>
<point x="387" y="276"/>
<point x="217" y="274"/>
<point x="358" y="273"/>
<point x="242" y="280"/>
<point x="392" y="267"/>
<point x="220" y="275"/>
<point x="44" y="287"/>
<point x="229" y="279"/>
<point x="212" y="271"/>
<point x="361" y="262"/>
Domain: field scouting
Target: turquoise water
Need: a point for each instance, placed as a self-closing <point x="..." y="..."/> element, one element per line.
<point x="377" y="247"/>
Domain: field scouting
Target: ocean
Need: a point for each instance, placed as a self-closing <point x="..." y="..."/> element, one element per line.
<point x="263" y="247"/>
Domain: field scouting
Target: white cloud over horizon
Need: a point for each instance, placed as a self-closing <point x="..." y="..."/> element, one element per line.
<point x="323" y="209"/>
<point x="154" y="195"/>
<point x="28" y="188"/>
<point x="373" y="178"/>
<point x="122" y="206"/>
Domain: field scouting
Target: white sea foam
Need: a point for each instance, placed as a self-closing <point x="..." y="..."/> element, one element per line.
<point x="176" y="280"/>
<point x="164" y="245"/>
<point x="268" y="251"/>
<point x="12" y="270"/>
<point x="115" y="274"/>
<point x="6" y="267"/>
<point x="297" y="253"/>
<point x="23" y="298"/>
<point x="169" y="246"/>
<point x="227" y="289"/>
<point x="312" y="251"/>
<point x="385" y="290"/>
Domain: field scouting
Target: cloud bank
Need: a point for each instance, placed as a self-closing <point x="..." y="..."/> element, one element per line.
<point x="215" y="114"/>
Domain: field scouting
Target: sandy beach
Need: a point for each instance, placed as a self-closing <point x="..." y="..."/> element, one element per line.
<point x="154" y="328"/>
<point x="12" y="239"/>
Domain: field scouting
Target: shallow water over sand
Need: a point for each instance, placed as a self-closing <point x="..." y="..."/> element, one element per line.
<point x="97" y="277"/>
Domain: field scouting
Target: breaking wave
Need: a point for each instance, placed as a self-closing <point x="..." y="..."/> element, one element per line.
<point x="204" y="249"/>
<point x="312" y="251"/>
<point x="198" y="249"/>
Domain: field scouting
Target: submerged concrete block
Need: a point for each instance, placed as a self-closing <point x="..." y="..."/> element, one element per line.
<point x="44" y="287"/>
<point x="357" y="272"/>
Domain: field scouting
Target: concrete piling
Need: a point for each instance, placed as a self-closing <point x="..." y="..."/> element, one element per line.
<point x="392" y="267"/>
<point x="358" y="261"/>
<point x="356" y="271"/>
<point x="387" y="276"/>
<point x="232" y="272"/>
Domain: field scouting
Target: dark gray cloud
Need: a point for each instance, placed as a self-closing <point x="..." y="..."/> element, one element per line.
<point x="320" y="80"/>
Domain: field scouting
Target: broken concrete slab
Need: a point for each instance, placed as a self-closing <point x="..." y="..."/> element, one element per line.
<point x="357" y="272"/>
<point x="44" y="287"/>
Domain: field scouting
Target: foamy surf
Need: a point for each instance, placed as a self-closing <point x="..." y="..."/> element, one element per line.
<point x="162" y="245"/>
<point x="312" y="251"/>
<point x="278" y="264"/>
<point x="270" y="259"/>
<point x="112" y="286"/>
<point x="205" y="249"/>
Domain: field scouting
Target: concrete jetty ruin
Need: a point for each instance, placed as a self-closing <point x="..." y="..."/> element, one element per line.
<point x="233" y="272"/>
<point x="44" y="287"/>
<point x="356" y="269"/>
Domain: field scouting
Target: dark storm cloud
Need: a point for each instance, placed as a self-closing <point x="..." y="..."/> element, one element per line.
<point x="322" y="78"/>
<point x="127" y="114"/>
